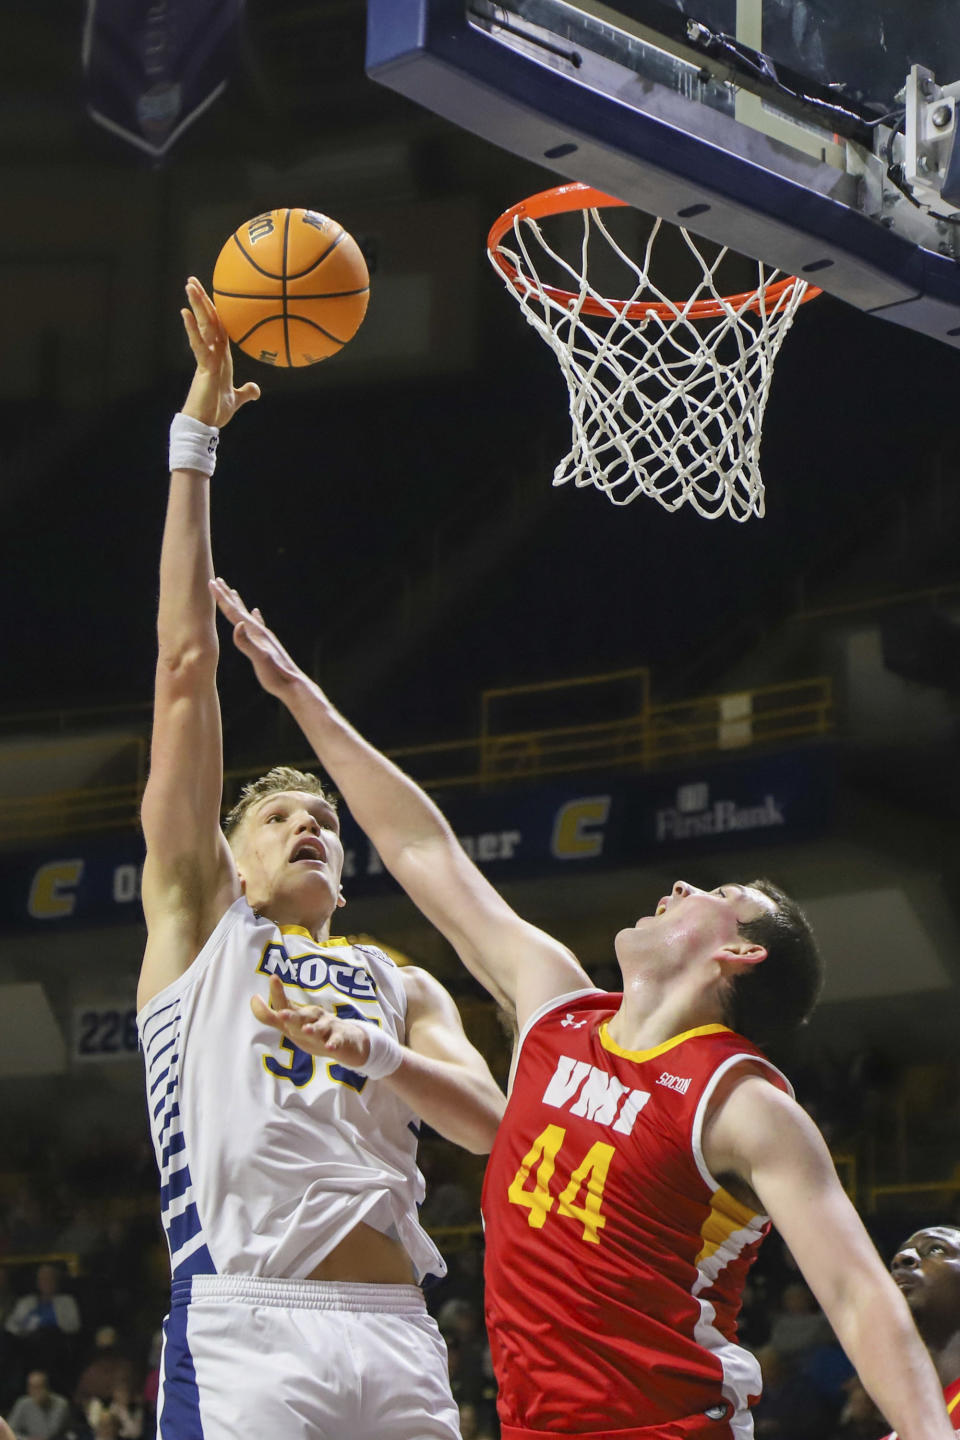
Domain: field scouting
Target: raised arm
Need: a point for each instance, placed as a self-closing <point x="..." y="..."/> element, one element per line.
<point x="765" y="1139"/>
<point x="188" y="878"/>
<point x="521" y="966"/>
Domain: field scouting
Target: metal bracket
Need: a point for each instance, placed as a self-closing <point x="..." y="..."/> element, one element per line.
<point x="930" y="154"/>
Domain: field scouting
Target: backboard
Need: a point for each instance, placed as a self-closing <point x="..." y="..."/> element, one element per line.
<point x="816" y="135"/>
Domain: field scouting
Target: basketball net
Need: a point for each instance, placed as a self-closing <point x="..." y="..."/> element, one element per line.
<point x="666" y="397"/>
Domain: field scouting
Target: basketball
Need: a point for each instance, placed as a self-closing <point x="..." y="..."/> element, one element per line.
<point x="291" y="287"/>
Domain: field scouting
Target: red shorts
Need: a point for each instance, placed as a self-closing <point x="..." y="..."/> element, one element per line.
<point x="691" y="1427"/>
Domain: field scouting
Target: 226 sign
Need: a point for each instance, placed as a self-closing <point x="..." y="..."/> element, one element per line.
<point x="105" y="1032"/>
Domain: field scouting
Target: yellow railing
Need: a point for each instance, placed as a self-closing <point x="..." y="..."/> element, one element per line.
<point x="644" y="738"/>
<point x="846" y="1164"/>
<point x="69" y="1261"/>
<point x="912" y="1187"/>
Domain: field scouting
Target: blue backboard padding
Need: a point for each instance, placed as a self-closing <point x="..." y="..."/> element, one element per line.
<point x="425" y="50"/>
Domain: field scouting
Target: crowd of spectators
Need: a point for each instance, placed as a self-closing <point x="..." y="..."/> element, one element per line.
<point x="60" y="1380"/>
<point x="83" y="1283"/>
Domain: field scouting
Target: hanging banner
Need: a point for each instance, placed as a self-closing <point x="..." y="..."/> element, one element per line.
<point x="152" y="66"/>
<point x="567" y="826"/>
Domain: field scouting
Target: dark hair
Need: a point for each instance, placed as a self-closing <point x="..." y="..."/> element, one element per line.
<point x="776" y="997"/>
<point x="275" y="782"/>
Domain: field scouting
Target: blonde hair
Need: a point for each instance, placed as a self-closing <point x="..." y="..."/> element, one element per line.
<point x="277" y="780"/>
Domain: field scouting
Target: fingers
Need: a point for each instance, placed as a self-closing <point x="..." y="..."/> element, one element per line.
<point x="208" y="339"/>
<point x="193" y="336"/>
<point x="330" y="1036"/>
<point x="195" y="288"/>
<point x="204" y="310"/>
<point x="264" y="1014"/>
<point x="289" y="1020"/>
<point x="210" y="344"/>
<point x="229" y="602"/>
<point x="246" y="393"/>
<point x="231" y="605"/>
<point x="310" y="1027"/>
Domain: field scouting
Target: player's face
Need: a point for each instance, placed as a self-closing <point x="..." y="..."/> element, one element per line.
<point x="927" y="1270"/>
<point x="290" y="857"/>
<point x="697" y="921"/>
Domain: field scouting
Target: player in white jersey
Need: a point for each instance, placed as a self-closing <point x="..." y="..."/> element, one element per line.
<point x="289" y="1180"/>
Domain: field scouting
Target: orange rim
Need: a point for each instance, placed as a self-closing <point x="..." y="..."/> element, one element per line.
<point x="576" y="196"/>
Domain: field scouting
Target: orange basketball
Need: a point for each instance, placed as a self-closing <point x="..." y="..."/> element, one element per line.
<point x="291" y="287"/>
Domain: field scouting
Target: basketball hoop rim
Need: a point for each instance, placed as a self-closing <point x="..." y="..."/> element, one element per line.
<point x="560" y="200"/>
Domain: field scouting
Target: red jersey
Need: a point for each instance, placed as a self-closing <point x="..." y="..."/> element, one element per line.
<point x="615" y="1261"/>
<point x="951" y="1393"/>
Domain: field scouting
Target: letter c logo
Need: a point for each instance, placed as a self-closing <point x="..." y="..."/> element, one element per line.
<point x="51" y="893"/>
<point x="577" y="830"/>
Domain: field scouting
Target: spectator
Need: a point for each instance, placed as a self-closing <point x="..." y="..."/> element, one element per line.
<point x="45" y="1308"/>
<point x="461" y="1326"/>
<point x="82" y="1235"/>
<point x="11" y="1377"/>
<point x="464" y="1278"/>
<point x="472" y="1427"/>
<point x="128" y="1413"/>
<point x="29" y="1224"/>
<point x="859" y="1419"/>
<point x="151" y="1386"/>
<point x="44" y="1322"/>
<point x="119" y="1268"/>
<point x="788" y="1409"/>
<point x="799" y="1325"/>
<point x="829" y="1371"/>
<point x="107" y="1427"/>
<point x="107" y="1370"/>
<point x="40" y="1414"/>
<point x="8" y="1296"/>
<point x="448" y="1204"/>
<point x="753" y="1322"/>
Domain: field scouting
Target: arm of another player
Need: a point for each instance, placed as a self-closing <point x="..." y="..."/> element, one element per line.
<point x="521" y="966"/>
<point x="441" y="1076"/>
<point x="764" y="1137"/>
<point x="188" y="878"/>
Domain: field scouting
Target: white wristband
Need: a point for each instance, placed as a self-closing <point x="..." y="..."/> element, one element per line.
<point x="385" y="1054"/>
<point x="193" y="445"/>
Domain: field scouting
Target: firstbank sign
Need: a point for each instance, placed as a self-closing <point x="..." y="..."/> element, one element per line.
<point x="694" y="815"/>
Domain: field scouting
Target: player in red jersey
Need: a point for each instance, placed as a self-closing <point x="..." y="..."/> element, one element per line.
<point x="646" y="1145"/>
<point x="927" y="1270"/>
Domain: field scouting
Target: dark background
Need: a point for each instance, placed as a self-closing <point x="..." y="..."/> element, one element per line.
<point x="341" y="488"/>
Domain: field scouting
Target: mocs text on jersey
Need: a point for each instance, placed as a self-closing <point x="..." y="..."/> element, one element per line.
<point x="313" y="971"/>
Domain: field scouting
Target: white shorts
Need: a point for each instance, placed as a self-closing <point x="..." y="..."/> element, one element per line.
<point x="253" y="1359"/>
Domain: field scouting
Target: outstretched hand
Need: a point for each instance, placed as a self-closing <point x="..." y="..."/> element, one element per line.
<point x="272" y="665"/>
<point x="211" y="397"/>
<point x="313" y="1029"/>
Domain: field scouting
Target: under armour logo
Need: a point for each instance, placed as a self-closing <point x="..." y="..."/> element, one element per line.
<point x="573" y="1024"/>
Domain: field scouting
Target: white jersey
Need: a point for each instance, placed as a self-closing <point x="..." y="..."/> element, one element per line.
<point x="269" y="1156"/>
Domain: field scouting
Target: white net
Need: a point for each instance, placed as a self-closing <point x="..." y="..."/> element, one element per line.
<point x="666" y="402"/>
